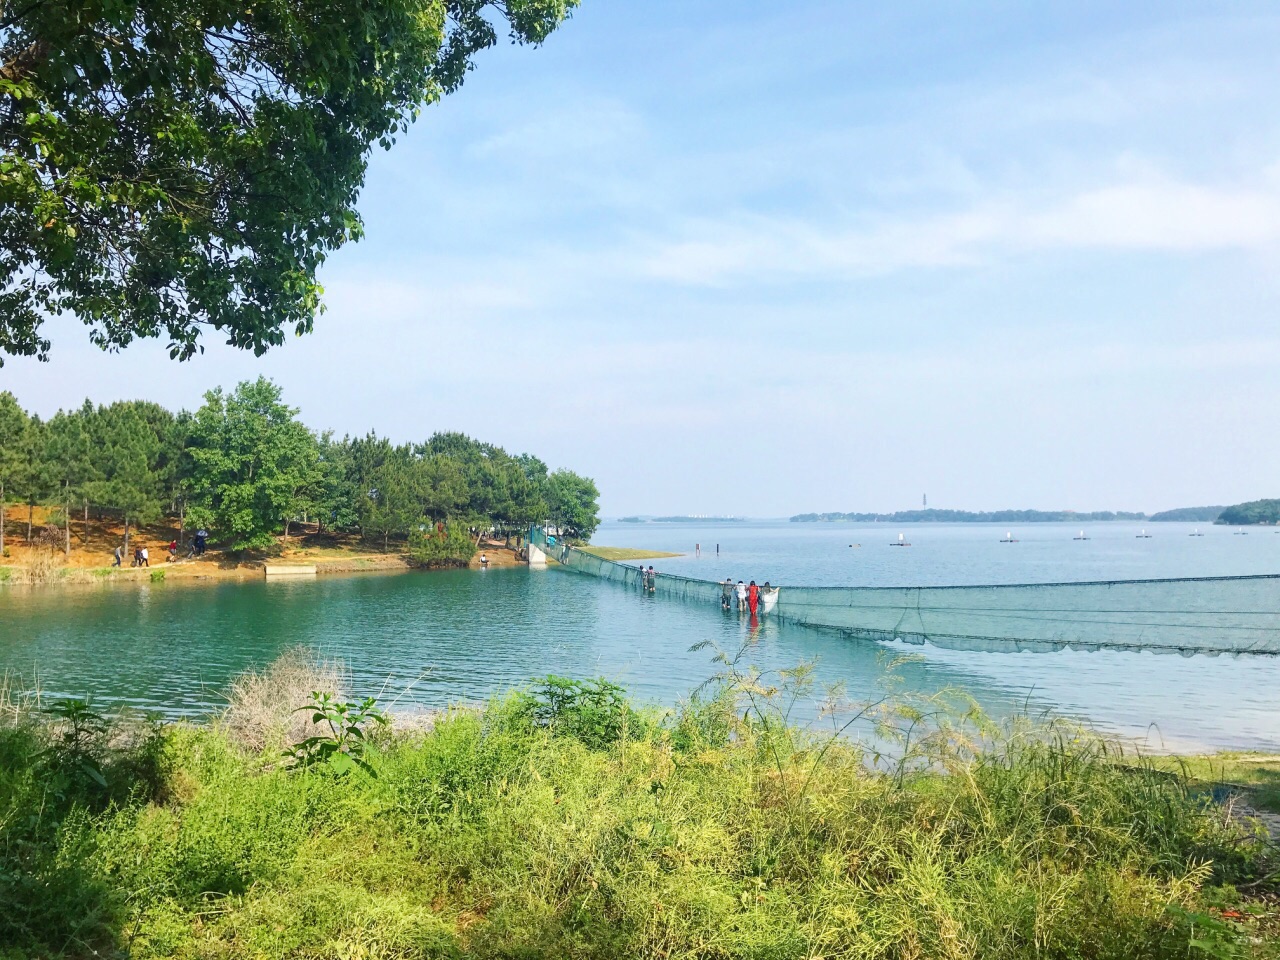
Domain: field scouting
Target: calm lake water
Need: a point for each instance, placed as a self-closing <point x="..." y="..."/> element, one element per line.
<point x="440" y="638"/>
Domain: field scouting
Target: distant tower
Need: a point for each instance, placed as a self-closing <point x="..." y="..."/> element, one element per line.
<point x="926" y="500"/>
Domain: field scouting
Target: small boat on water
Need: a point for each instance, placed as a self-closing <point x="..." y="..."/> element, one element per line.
<point x="1081" y="537"/>
<point x="1241" y="533"/>
<point x="1142" y="536"/>
<point x="1008" y="538"/>
<point x="1195" y="533"/>
<point x="900" y="542"/>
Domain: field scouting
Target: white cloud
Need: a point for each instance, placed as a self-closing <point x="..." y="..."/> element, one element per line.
<point x="1152" y="213"/>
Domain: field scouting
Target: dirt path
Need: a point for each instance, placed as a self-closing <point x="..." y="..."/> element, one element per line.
<point x="93" y="545"/>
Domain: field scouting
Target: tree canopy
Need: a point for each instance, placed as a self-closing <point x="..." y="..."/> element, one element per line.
<point x="173" y="165"/>
<point x="1255" y="511"/>
<point x="247" y="468"/>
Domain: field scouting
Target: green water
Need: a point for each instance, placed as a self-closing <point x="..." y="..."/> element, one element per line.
<point x="440" y="638"/>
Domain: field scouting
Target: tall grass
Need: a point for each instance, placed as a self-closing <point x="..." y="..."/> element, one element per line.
<point x="562" y="822"/>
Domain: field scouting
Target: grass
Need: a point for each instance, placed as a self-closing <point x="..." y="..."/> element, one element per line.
<point x="560" y="821"/>
<point x="626" y="553"/>
<point x="1256" y="775"/>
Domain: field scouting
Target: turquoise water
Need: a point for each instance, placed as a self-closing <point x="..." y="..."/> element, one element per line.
<point x="440" y="638"/>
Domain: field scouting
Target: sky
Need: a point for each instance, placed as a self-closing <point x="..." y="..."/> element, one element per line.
<point x="738" y="257"/>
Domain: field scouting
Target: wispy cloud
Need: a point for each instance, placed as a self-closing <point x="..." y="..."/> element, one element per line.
<point x="1154" y="212"/>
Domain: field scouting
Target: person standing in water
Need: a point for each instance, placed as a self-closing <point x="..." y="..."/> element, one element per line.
<point x="726" y="593"/>
<point x="753" y="597"/>
<point x="742" y="596"/>
<point x="653" y="576"/>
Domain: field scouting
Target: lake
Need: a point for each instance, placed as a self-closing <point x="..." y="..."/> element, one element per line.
<point x="460" y="636"/>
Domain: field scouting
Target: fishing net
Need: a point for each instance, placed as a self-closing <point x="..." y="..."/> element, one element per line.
<point x="1209" y="615"/>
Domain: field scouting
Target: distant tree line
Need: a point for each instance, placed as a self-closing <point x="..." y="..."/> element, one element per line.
<point x="1255" y="511"/>
<point x="1189" y="515"/>
<point x="967" y="516"/>
<point x="245" y="467"/>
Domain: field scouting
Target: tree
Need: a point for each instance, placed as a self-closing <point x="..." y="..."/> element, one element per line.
<point x="393" y="504"/>
<point x="573" y="504"/>
<point x="127" y="452"/>
<point x="175" y="164"/>
<point x="337" y="496"/>
<point x="13" y="452"/>
<point x="70" y="452"/>
<point x="39" y="477"/>
<point x="252" y="463"/>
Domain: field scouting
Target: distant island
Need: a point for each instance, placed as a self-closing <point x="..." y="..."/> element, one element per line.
<point x="681" y="520"/>
<point x="969" y="516"/>
<point x="1253" y="512"/>
<point x="697" y="520"/>
<point x="1188" y="515"/>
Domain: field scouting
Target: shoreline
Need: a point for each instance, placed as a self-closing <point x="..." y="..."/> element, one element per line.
<point x="214" y="568"/>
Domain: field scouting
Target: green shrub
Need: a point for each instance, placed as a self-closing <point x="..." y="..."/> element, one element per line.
<point x="430" y="547"/>
<point x="595" y="712"/>
<point x="157" y="576"/>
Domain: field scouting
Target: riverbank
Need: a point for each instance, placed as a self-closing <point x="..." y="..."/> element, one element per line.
<point x="560" y="821"/>
<point x="41" y="557"/>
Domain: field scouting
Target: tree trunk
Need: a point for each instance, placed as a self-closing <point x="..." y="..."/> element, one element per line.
<point x="126" y="535"/>
<point x="286" y="530"/>
<point x="385" y="535"/>
<point x="182" y="523"/>
<point x="31" y="509"/>
<point x="68" y="524"/>
<point x="86" y="524"/>
<point x="1" y="521"/>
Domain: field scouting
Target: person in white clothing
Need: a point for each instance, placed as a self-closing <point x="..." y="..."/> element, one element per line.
<point x="742" y="596"/>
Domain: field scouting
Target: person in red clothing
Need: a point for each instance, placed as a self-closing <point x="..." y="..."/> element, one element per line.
<point x="753" y="597"/>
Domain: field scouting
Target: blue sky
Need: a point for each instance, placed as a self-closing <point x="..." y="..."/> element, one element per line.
<point x="756" y="258"/>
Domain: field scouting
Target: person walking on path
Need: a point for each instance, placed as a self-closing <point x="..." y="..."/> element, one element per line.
<point x="145" y="557"/>
<point x="119" y="555"/>
<point x="726" y="593"/>
<point x="753" y="597"/>
<point x="173" y="550"/>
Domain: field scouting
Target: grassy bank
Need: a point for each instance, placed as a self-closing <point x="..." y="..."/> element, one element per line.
<point x="626" y="553"/>
<point x="561" y="822"/>
<point x="1255" y="775"/>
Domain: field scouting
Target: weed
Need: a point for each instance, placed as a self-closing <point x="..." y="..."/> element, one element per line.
<point x="157" y="576"/>
<point x="595" y="712"/>
<point x="344" y="744"/>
